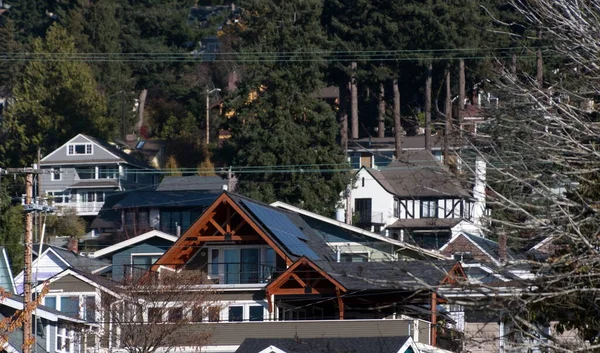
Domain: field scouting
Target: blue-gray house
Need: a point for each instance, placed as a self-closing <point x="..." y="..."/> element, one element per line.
<point x="134" y="256"/>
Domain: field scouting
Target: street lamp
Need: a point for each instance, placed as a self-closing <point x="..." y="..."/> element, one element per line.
<point x="208" y="92"/>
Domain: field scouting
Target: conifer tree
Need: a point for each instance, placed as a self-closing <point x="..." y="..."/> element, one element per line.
<point x="286" y="124"/>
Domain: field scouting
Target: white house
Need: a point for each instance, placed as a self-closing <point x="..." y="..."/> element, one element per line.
<point x="415" y="198"/>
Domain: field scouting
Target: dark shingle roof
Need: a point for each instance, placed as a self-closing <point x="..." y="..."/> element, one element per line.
<point x="167" y="199"/>
<point x="325" y="345"/>
<point x="418" y="174"/>
<point x="389" y="274"/>
<point x="194" y="182"/>
<point x="75" y="260"/>
<point x="124" y="156"/>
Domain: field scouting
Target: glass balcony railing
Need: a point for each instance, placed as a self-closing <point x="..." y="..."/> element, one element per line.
<point x="239" y="272"/>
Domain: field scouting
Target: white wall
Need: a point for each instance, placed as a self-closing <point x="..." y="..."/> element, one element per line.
<point x="382" y="201"/>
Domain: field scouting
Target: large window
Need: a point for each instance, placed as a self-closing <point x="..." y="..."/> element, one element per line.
<point x="429" y="208"/>
<point x="108" y="172"/>
<point x="170" y="220"/>
<point x="236" y="313"/>
<point x="241" y="265"/>
<point x="354" y="257"/>
<point x="362" y="210"/>
<point x="78" y="306"/>
<point x="79" y="149"/>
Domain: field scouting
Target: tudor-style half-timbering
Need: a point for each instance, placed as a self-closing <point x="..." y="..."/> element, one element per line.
<point x="414" y="198"/>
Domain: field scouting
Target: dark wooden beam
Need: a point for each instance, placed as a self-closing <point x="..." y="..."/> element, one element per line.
<point x="232" y="238"/>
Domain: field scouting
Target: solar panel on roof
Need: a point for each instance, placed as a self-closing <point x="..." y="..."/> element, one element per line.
<point x="283" y="228"/>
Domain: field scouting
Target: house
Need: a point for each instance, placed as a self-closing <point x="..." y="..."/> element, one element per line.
<point x="53" y="260"/>
<point x="269" y="264"/>
<point x="414" y="199"/>
<point x="151" y="151"/>
<point x="398" y="344"/>
<point x="134" y="256"/>
<point x="464" y="246"/>
<point x="7" y="282"/>
<point x="81" y="173"/>
<point x="54" y="332"/>
<point x="171" y="208"/>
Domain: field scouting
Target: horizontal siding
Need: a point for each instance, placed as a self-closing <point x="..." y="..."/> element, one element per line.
<point x="236" y="333"/>
<point x="71" y="284"/>
<point x="122" y="258"/>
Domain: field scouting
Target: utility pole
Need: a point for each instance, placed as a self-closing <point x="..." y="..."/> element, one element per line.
<point x="39" y="186"/>
<point x="27" y="337"/>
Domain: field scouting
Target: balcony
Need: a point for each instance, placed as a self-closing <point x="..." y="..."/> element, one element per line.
<point x="238" y="272"/>
<point x="82" y="208"/>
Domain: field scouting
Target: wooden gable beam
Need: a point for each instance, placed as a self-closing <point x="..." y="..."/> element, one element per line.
<point x="275" y="286"/>
<point x="455" y="272"/>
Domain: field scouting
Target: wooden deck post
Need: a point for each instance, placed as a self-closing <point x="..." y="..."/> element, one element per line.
<point x="340" y="303"/>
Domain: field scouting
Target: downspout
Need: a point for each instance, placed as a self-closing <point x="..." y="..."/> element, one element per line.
<point x="110" y="324"/>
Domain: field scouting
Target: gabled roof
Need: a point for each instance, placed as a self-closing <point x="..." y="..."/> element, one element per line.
<point x="396" y="344"/>
<point x="112" y="150"/>
<point x="95" y="281"/>
<point x="422" y="253"/>
<point x="135" y="240"/>
<point x="425" y="223"/>
<point x="291" y="239"/>
<point x="418" y="174"/>
<point x="14" y="341"/>
<point x="193" y="182"/>
<point x="487" y="246"/>
<point x="75" y="260"/>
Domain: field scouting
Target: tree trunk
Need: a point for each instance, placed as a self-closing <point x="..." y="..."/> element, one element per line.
<point x="539" y="64"/>
<point x="448" y="124"/>
<point x="539" y="77"/>
<point x="142" y="102"/>
<point x="343" y="115"/>
<point x="428" y="108"/>
<point x="513" y="65"/>
<point x="461" y="92"/>
<point x="381" y="111"/>
<point x="354" y="102"/>
<point x="397" y="119"/>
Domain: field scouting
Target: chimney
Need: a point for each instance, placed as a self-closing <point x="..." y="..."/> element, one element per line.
<point x="479" y="193"/>
<point x="73" y="245"/>
<point x="502" y="253"/>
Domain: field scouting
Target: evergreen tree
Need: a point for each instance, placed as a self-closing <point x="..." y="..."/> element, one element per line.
<point x="286" y="124"/>
<point x="11" y="230"/>
<point x="53" y="100"/>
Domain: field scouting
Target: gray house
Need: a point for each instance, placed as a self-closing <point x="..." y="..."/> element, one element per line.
<point x="85" y="170"/>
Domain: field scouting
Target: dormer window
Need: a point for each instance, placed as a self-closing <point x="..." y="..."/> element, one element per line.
<point x="79" y="149"/>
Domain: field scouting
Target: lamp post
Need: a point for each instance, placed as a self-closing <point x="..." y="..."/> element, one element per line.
<point x="208" y="92"/>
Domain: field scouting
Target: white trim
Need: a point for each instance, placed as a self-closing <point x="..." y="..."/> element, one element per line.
<point x="80" y="277"/>
<point x="15" y="304"/>
<point x="132" y="241"/>
<point x="88" y="139"/>
<point x="101" y="269"/>
<point x="7" y="263"/>
<point x="542" y="243"/>
<point x="352" y="228"/>
<point x="9" y="348"/>
<point x="85" y="147"/>
<point x="272" y="349"/>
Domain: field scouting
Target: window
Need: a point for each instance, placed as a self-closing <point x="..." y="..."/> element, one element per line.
<point x="214" y="314"/>
<point x="55" y="174"/>
<point x="107" y="172"/>
<point x="462" y="256"/>
<point x="362" y="210"/>
<point x="429" y="208"/>
<point x="59" y="196"/>
<point x="175" y="314"/>
<point x="64" y="340"/>
<point x="197" y="315"/>
<point x="155" y="315"/>
<point x="70" y="306"/>
<point x="257" y="313"/>
<point x="169" y="220"/>
<point x="354" y="257"/>
<point x="236" y="313"/>
<point x="79" y="149"/>
<point x="50" y="302"/>
<point x="242" y="265"/>
<point x="86" y="172"/>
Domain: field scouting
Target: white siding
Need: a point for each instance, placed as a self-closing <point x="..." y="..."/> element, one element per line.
<point x="382" y="201"/>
